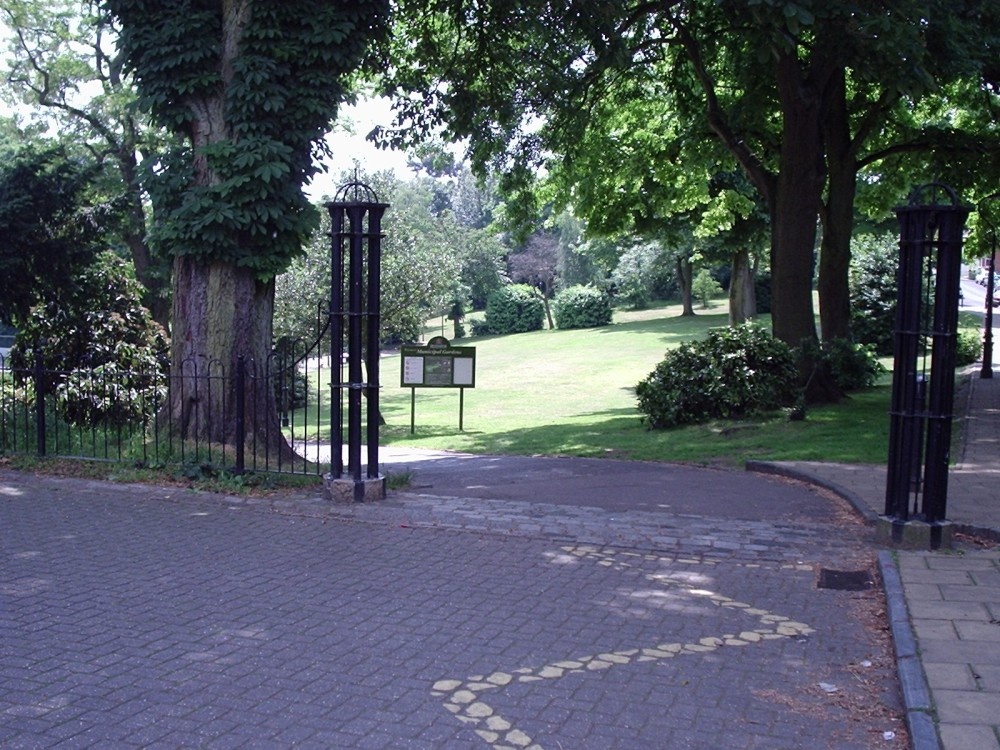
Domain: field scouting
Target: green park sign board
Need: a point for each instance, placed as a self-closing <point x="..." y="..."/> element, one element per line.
<point x="438" y="365"/>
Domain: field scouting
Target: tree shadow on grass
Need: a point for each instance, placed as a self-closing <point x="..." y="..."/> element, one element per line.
<point x="594" y="434"/>
<point x="676" y="326"/>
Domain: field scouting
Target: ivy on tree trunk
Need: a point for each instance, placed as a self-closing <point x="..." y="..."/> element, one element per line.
<point x="253" y="86"/>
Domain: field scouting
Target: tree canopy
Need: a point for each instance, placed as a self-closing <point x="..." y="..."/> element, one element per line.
<point x="64" y="67"/>
<point x="253" y="87"/>
<point x="48" y="232"/>
<point x="792" y="90"/>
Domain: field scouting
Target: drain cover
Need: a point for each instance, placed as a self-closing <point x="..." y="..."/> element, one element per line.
<point x="844" y="580"/>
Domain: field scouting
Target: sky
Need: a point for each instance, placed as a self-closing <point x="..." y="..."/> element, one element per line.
<point x="348" y="145"/>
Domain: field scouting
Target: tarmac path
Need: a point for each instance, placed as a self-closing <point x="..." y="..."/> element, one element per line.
<point x="560" y="607"/>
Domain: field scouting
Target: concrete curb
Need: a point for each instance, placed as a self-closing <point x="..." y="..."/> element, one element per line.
<point x="860" y="506"/>
<point x="916" y="693"/>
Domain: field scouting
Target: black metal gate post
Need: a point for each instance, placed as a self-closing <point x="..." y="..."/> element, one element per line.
<point x="355" y="263"/>
<point x="928" y="279"/>
<point x="373" y="333"/>
<point x="336" y="325"/>
<point x="986" y="219"/>
<point x="38" y="374"/>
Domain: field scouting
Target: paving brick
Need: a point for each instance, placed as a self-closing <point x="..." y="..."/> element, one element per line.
<point x="964" y="610"/>
<point x="937" y="629"/>
<point x="218" y="626"/>
<point x="950" y="676"/>
<point x="966" y="737"/>
<point x="964" y="563"/>
<point x="966" y="706"/>
<point x="927" y="591"/>
<point x="959" y="652"/>
<point x="939" y="577"/>
<point x="987" y="632"/>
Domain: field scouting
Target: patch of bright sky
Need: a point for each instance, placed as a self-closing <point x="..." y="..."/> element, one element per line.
<point x="349" y="148"/>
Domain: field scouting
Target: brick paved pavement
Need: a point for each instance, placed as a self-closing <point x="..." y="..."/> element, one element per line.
<point x="144" y="617"/>
<point x="945" y="606"/>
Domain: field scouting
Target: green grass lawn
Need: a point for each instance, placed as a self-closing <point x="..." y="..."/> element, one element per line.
<point x="572" y="393"/>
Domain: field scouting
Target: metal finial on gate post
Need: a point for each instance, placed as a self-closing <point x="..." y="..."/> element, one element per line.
<point x="355" y="264"/>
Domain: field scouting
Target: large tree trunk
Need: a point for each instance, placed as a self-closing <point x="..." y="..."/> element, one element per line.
<point x="838" y="216"/>
<point x="222" y="313"/>
<point x="795" y="213"/>
<point x="222" y="322"/>
<point x="742" y="296"/>
<point x="795" y="210"/>
<point x="685" y="276"/>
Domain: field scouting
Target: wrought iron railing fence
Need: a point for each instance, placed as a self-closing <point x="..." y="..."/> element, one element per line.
<point x="132" y="417"/>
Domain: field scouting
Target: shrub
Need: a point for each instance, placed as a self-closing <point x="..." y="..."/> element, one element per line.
<point x="105" y="357"/>
<point x="734" y="372"/>
<point x="515" y="308"/>
<point x="481" y="327"/>
<point x="853" y="366"/>
<point x="873" y="291"/>
<point x="968" y="348"/>
<point x="582" y="307"/>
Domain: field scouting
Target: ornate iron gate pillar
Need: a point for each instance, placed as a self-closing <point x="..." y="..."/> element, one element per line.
<point x="928" y="277"/>
<point x="355" y="274"/>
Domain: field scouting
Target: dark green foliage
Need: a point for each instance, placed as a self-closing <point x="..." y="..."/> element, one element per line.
<point x="515" y="308"/>
<point x="582" y="307"/>
<point x="873" y="291"/>
<point x="734" y="372"/>
<point x="290" y="384"/>
<point x="102" y="351"/>
<point x="762" y="291"/>
<point x="46" y="232"/>
<point x="254" y="86"/>
<point x="968" y="348"/>
<point x="853" y="366"/>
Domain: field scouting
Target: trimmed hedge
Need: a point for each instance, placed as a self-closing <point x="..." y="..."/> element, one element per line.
<point x="581" y="307"/>
<point x="515" y="308"/>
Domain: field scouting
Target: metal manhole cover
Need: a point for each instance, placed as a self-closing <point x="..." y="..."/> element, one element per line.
<point x="844" y="580"/>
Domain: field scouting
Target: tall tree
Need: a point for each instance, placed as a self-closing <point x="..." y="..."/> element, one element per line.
<point x="48" y="233"/>
<point x="913" y="80"/>
<point x="535" y="264"/>
<point x="524" y="81"/>
<point x="252" y="86"/>
<point x="63" y="66"/>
